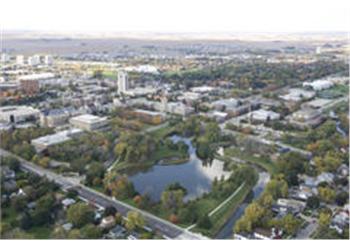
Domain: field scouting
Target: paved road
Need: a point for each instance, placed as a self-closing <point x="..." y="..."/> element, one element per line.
<point x="268" y="142"/>
<point x="167" y="229"/>
<point x="306" y="232"/>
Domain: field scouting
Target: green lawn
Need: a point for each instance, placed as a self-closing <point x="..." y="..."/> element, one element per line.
<point x="260" y="161"/>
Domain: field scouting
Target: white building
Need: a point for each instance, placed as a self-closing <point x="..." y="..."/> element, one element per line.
<point x="44" y="142"/>
<point x="17" y="114"/>
<point x="123" y="82"/>
<point x="20" y="60"/>
<point x="40" y="76"/>
<point x="297" y="95"/>
<point x="264" y="115"/>
<point x="48" y="60"/>
<point x="34" y="60"/>
<point x="89" y="122"/>
<point x="319" y="84"/>
<point x="5" y="58"/>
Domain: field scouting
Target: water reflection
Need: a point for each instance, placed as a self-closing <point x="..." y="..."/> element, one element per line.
<point x="193" y="175"/>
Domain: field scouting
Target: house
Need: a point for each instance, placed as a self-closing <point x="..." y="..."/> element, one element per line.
<point x="340" y="221"/>
<point x="319" y="84"/>
<point x="8" y="174"/>
<point x="343" y="171"/>
<point x="117" y="232"/>
<point x="325" y="177"/>
<point x="108" y="222"/>
<point x="67" y="202"/>
<point x="133" y="236"/>
<point x="265" y="234"/>
<point x="292" y="205"/>
<point x="67" y="227"/>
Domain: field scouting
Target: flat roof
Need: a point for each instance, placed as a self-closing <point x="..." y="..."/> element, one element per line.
<point x="56" y="138"/>
<point x="87" y="118"/>
<point x="148" y="112"/>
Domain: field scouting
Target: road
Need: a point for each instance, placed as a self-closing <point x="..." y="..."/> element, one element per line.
<point x="306" y="232"/>
<point x="269" y="142"/>
<point x="167" y="229"/>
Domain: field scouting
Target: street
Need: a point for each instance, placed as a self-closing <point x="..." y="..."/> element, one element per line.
<point x="167" y="229"/>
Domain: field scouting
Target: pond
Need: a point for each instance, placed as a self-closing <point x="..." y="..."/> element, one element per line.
<point x="194" y="175"/>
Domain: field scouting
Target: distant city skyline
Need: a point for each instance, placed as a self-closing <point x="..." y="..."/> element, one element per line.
<point x="176" y="16"/>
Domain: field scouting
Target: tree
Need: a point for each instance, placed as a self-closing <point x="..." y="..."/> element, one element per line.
<point x="324" y="219"/>
<point x="172" y="199"/>
<point x="19" y="203"/>
<point x="12" y="162"/>
<point x="80" y="214"/>
<point x="118" y="185"/>
<point x="95" y="170"/>
<point x="341" y="198"/>
<point x="326" y="194"/>
<point x="277" y="188"/>
<point x="253" y="216"/>
<point x="43" y="210"/>
<point x="135" y="220"/>
<point x="290" y="224"/>
<point x="59" y="233"/>
<point x="110" y="210"/>
<point x="313" y="202"/>
<point x="91" y="231"/>
<point x="74" y="234"/>
<point x="204" y="222"/>
<point x="44" y="162"/>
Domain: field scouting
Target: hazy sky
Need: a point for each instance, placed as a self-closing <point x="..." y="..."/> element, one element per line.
<point x="176" y="15"/>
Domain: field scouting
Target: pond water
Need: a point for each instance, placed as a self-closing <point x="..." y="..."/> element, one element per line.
<point x="196" y="177"/>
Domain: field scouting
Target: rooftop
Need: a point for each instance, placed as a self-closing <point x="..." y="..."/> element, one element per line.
<point x="88" y="118"/>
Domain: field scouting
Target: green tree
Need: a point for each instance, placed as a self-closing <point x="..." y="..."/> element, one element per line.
<point x="326" y="194"/>
<point x="91" y="231"/>
<point x="135" y="220"/>
<point x="313" y="202"/>
<point x="204" y="222"/>
<point x="80" y="214"/>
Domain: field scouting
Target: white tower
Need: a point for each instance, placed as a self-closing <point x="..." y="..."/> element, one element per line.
<point x="123" y="82"/>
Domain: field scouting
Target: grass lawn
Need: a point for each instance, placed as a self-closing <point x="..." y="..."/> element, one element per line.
<point x="260" y="161"/>
<point x="220" y="217"/>
<point x="110" y="74"/>
<point x="163" y="132"/>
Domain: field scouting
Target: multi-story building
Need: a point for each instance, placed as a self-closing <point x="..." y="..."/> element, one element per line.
<point x="29" y="87"/>
<point x="149" y="116"/>
<point x="18" y="114"/>
<point x="48" y="59"/>
<point x="123" y="82"/>
<point x="89" y="122"/>
<point x="20" y="60"/>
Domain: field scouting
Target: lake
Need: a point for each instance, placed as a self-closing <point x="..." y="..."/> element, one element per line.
<point x="193" y="175"/>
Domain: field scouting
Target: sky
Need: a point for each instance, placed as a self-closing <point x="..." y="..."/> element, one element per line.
<point x="176" y="15"/>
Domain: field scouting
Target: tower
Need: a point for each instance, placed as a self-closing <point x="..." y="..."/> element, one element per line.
<point x="123" y="82"/>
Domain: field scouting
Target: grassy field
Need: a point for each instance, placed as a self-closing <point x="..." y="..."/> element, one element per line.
<point x="260" y="161"/>
<point x="220" y="217"/>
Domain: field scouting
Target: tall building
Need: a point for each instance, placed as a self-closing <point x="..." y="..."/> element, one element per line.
<point x="123" y="82"/>
<point x="19" y="59"/>
<point x="5" y="58"/>
<point x="34" y="60"/>
<point x="48" y="60"/>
